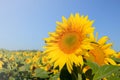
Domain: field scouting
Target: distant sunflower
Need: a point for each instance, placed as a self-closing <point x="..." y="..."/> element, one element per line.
<point x="1" y="64"/>
<point x="67" y="44"/>
<point x="102" y="51"/>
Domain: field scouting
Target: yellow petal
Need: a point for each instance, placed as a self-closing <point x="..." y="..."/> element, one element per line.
<point x="110" y="61"/>
<point x="64" y="19"/>
<point x="69" y="66"/>
<point x="106" y="46"/>
<point x="103" y="40"/>
<point x="109" y="52"/>
<point x="92" y="37"/>
<point x="81" y="60"/>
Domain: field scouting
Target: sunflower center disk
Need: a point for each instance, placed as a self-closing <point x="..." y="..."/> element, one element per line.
<point x="98" y="55"/>
<point x="69" y="42"/>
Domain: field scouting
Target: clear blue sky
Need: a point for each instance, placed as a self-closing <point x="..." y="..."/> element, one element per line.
<point x="24" y="23"/>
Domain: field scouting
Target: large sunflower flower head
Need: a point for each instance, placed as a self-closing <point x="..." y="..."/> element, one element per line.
<point x="102" y="51"/>
<point x="70" y="40"/>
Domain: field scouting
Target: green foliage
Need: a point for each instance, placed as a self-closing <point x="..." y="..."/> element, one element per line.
<point x="41" y="73"/>
<point x="105" y="71"/>
<point x="100" y="72"/>
<point x="55" y="76"/>
<point x="114" y="76"/>
<point x="94" y="66"/>
<point x="15" y="68"/>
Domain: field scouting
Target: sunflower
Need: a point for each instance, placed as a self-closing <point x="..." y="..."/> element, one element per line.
<point x="69" y="42"/>
<point x="102" y="51"/>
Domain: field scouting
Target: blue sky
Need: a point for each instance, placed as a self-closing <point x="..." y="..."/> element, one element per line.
<point x="24" y="23"/>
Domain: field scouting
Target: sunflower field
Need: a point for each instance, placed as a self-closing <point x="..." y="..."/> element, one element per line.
<point x="72" y="52"/>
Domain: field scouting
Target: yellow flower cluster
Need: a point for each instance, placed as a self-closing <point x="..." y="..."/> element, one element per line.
<point x="19" y="60"/>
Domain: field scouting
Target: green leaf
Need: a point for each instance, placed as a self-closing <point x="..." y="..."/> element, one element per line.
<point x="55" y="76"/>
<point x="79" y="76"/>
<point x="24" y="67"/>
<point x="116" y="59"/>
<point x="114" y="76"/>
<point x="11" y="78"/>
<point x="41" y="73"/>
<point x="105" y="71"/>
<point x="93" y="66"/>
